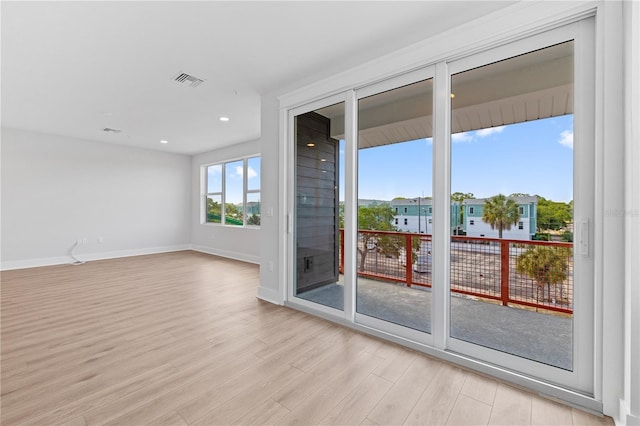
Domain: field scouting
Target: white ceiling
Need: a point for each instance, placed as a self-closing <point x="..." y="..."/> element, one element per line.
<point x="74" y="68"/>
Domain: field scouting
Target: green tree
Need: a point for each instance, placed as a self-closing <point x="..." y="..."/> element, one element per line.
<point x="254" y="219"/>
<point x="553" y="215"/>
<point x="459" y="197"/>
<point x="500" y="212"/>
<point x="214" y="211"/>
<point x="375" y="218"/>
<point x="232" y="214"/>
<point x="545" y="265"/>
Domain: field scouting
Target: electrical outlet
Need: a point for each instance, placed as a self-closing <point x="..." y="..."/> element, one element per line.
<point x="270" y="266"/>
<point x="100" y="240"/>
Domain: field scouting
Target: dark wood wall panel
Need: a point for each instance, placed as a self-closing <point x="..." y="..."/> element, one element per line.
<point x="316" y="203"/>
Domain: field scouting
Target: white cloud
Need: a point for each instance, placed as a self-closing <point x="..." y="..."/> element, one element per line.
<point x="566" y="139"/>
<point x="238" y="171"/>
<point x="251" y="173"/>
<point x="490" y="131"/>
<point x="462" y="137"/>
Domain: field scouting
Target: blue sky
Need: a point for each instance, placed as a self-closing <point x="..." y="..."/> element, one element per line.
<point x="233" y="178"/>
<point x="534" y="157"/>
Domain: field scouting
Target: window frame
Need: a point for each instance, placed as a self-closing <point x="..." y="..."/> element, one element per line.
<point x="223" y="191"/>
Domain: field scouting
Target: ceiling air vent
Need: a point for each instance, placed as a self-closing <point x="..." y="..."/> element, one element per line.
<point x="185" y="78"/>
<point x="109" y="130"/>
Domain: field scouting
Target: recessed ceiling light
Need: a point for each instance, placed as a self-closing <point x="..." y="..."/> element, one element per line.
<point x="311" y="144"/>
<point x="323" y="159"/>
<point x="224" y="119"/>
<point x="163" y="141"/>
<point x="453" y="95"/>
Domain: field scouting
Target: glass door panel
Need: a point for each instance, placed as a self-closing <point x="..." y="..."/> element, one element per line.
<point x="394" y="206"/>
<point x="512" y="210"/>
<point x="318" y="173"/>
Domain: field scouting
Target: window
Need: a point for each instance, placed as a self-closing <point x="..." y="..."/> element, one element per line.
<point x="396" y="220"/>
<point x="520" y="211"/>
<point x="430" y="211"/>
<point x="396" y="210"/>
<point x="471" y="210"/>
<point x="406" y="221"/>
<point x="472" y="222"/>
<point x="233" y="193"/>
<point x="521" y="225"/>
<point x="430" y="221"/>
<point x="405" y="210"/>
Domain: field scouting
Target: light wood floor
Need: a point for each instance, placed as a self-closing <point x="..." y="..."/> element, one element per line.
<point x="180" y="338"/>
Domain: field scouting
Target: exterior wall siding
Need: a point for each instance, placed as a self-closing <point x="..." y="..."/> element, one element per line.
<point x="422" y="221"/>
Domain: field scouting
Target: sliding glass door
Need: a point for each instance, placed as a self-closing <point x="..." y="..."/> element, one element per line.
<point x="520" y="285"/>
<point x="318" y="166"/>
<point x="452" y="206"/>
<point x="395" y="211"/>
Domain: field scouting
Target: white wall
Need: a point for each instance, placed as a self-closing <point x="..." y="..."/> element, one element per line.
<point x="481" y="228"/>
<point x="272" y="272"/>
<point x="58" y="189"/>
<point x="229" y="241"/>
<point x="630" y="399"/>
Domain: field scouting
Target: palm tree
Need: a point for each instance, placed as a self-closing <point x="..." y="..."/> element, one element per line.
<point x="545" y="265"/>
<point x="500" y="212"/>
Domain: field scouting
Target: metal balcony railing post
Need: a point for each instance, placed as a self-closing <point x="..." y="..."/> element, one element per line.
<point x="409" y="258"/>
<point x="342" y="251"/>
<point x="504" y="272"/>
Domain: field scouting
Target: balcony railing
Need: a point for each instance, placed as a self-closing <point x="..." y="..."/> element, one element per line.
<point x="480" y="267"/>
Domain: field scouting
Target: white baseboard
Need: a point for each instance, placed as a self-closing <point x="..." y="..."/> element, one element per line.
<point x="225" y="253"/>
<point x="269" y="295"/>
<point x="63" y="260"/>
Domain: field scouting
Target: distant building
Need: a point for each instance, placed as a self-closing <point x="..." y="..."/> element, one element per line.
<point x="474" y="226"/>
<point x="413" y="215"/>
<point x="416" y="215"/>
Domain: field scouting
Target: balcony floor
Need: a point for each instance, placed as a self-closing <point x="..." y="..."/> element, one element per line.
<point x="537" y="336"/>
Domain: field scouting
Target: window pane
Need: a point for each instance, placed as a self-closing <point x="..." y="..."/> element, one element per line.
<point x="214" y="178"/>
<point x="233" y="193"/>
<point x="253" y="173"/>
<point x="512" y="173"/>
<point x="318" y="207"/>
<point x="252" y="212"/>
<point x="214" y="208"/>
<point x="394" y="174"/>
